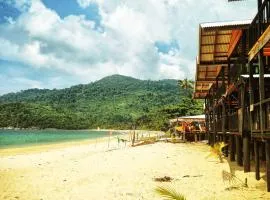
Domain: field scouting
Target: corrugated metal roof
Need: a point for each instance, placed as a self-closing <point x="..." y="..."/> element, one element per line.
<point x="226" y="24"/>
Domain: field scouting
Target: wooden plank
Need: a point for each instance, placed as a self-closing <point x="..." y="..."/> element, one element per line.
<point x="257" y="160"/>
<point x="262" y="41"/>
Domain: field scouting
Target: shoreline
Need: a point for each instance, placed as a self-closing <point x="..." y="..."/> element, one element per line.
<point x="45" y="147"/>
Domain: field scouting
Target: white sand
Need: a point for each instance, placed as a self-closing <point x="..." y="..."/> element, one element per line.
<point x="90" y="171"/>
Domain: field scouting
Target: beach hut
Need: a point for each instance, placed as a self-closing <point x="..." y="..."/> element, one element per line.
<point x="233" y="77"/>
<point x="189" y="127"/>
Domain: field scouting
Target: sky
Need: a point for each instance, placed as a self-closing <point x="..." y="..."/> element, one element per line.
<point x="60" y="43"/>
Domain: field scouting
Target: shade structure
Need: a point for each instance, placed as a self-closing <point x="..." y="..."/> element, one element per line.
<point x="217" y="41"/>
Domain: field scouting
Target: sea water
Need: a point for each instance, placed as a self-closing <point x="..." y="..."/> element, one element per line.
<point x="16" y="138"/>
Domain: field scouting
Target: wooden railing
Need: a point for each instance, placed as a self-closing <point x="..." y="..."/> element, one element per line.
<point x="259" y="23"/>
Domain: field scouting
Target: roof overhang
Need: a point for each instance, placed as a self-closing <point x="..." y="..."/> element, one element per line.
<point x="217" y="42"/>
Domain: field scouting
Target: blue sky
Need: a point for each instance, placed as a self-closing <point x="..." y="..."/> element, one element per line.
<point x="59" y="43"/>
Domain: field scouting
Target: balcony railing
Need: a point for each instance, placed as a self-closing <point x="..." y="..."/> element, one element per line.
<point x="259" y="23"/>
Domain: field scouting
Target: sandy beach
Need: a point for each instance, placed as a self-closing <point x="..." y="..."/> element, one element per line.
<point x="89" y="170"/>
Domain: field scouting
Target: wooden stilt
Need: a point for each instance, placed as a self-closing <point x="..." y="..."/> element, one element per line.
<point x="226" y="153"/>
<point x="261" y="91"/>
<point x="239" y="151"/>
<point x="214" y="126"/>
<point x="263" y="152"/>
<point x="267" y="153"/>
<point x="246" y="150"/>
<point x="257" y="160"/>
<point x="232" y="148"/>
<point x="252" y="157"/>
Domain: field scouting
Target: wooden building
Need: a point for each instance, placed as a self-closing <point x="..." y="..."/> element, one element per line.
<point x="233" y="77"/>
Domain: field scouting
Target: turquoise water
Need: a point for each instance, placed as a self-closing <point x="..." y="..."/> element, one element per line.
<point x="16" y="138"/>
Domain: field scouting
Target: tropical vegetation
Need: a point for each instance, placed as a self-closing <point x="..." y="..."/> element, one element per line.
<point x="116" y="101"/>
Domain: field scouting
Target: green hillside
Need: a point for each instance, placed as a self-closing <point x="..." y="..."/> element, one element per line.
<point x="113" y="102"/>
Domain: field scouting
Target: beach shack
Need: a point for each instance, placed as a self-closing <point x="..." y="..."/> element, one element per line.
<point x="233" y="78"/>
<point x="189" y="127"/>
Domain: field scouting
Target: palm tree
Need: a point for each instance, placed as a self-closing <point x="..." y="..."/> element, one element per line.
<point x="186" y="84"/>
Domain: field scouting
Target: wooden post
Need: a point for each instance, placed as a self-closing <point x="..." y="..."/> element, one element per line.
<point x="252" y="157"/>
<point x="239" y="151"/>
<point x="133" y="138"/>
<point x="232" y="148"/>
<point x="267" y="153"/>
<point x="246" y="149"/>
<point x="262" y="91"/>
<point x="214" y="126"/>
<point x="223" y="119"/>
<point x="257" y="160"/>
<point x="241" y="117"/>
<point x="263" y="150"/>
<point x="251" y="96"/>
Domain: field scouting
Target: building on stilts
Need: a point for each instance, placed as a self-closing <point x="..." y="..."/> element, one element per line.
<point x="233" y="78"/>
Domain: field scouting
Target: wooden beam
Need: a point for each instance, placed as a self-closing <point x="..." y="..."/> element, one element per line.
<point x="211" y="44"/>
<point x="262" y="41"/>
<point x="236" y="35"/>
<point x="216" y="52"/>
<point x="219" y="34"/>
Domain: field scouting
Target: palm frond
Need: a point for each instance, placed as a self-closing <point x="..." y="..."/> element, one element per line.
<point x="216" y="150"/>
<point x="169" y="193"/>
<point x="233" y="180"/>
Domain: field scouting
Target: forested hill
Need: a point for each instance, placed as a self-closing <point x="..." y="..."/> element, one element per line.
<point x="112" y="102"/>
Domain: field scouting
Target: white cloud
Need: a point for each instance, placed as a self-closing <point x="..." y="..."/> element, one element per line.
<point x="125" y="42"/>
